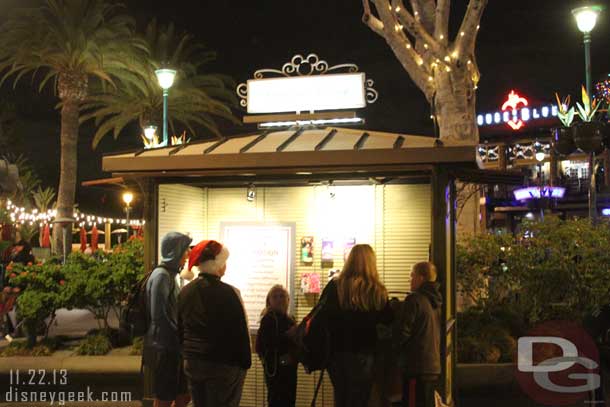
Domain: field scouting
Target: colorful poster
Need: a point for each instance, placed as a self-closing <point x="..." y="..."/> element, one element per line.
<point x="261" y="255"/>
<point x="349" y="243"/>
<point x="310" y="283"/>
<point x="307" y="249"/>
<point x="327" y="250"/>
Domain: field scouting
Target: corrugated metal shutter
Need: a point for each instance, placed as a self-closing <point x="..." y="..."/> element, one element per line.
<point x="394" y="219"/>
<point x="182" y="209"/>
<point x="406" y="232"/>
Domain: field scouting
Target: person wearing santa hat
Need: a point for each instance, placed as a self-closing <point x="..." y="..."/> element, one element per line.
<point x="213" y="331"/>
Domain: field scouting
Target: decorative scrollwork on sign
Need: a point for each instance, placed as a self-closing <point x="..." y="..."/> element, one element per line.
<point x="242" y="92"/>
<point x="371" y="93"/>
<point x="305" y="66"/>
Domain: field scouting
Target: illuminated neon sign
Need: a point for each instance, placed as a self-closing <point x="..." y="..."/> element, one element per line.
<point x="513" y="101"/>
<point x="524" y="194"/>
<point x="516" y="113"/>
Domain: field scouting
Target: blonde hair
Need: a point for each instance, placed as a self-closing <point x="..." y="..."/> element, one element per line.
<point x="425" y="269"/>
<point x="277" y="287"/>
<point x="358" y="284"/>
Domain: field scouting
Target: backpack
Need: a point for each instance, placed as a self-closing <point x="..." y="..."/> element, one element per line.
<point x="135" y="318"/>
<point x="313" y="339"/>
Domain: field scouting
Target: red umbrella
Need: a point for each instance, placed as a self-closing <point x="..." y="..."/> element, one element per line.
<point x="94" y="237"/>
<point x="83" y="239"/>
<point x="46" y="237"/>
<point x="6" y="231"/>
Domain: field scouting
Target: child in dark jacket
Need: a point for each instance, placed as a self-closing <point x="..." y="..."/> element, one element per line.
<point x="276" y="348"/>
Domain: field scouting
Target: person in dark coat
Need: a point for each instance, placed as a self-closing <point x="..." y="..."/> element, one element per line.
<point x="419" y="336"/>
<point x="276" y="347"/>
<point x="213" y="331"/>
<point x="161" y="354"/>
<point x="355" y="303"/>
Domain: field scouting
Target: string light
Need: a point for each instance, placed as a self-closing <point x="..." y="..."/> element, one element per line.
<point x="462" y="34"/>
<point x="397" y="8"/>
<point x="19" y="215"/>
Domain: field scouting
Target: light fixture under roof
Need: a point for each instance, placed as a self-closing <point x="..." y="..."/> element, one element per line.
<point x="319" y="122"/>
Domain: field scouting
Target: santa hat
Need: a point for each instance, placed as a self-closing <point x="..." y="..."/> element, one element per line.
<point x="209" y="255"/>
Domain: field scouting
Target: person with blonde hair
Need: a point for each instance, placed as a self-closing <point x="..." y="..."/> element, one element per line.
<point x="276" y="347"/>
<point x="419" y="337"/>
<point x="355" y="302"/>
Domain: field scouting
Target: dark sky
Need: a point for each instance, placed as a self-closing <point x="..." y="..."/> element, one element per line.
<point x="532" y="46"/>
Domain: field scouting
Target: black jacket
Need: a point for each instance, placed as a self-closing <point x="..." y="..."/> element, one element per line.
<point x="418" y="330"/>
<point x="353" y="331"/>
<point x="212" y="323"/>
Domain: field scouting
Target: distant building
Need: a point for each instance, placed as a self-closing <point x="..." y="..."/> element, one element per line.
<point x="510" y="138"/>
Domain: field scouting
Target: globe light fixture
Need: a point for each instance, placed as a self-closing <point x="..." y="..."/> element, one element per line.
<point x="586" y="17"/>
<point x="127" y="198"/>
<point x="150" y="131"/>
<point x="166" y="79"/>
<point x="540" y="156"/>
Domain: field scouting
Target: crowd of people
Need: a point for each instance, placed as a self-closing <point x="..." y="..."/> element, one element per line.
<point x="198" y="342"/>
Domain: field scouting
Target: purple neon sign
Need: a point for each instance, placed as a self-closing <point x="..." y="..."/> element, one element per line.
<point x="523" y="194"/>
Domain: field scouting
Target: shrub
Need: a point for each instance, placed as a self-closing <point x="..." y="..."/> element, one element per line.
<point x="20" y="348"/>
<point x="102" y="282"/>
<point x="94" y="345"/>
<point x="41" y="293"/>
<point x="137" y="346"/>
<point x="527" y="274"/>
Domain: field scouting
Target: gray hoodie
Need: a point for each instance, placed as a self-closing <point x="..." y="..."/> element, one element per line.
<point x="162" y="293"/>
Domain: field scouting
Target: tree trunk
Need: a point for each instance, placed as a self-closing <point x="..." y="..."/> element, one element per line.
<point x="454" y="107"/>
<point x="68" y="172"/>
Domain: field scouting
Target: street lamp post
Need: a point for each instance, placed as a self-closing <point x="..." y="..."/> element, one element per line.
<point x="166" y="80"/>
<point x="586" y="17"/>
<point x="127" y="198"/>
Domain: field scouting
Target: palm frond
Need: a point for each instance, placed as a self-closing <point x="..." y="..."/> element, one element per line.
<point x="196" y="101"/>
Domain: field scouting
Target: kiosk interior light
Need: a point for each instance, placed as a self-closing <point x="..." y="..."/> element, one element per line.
<point x="251" y="194"/>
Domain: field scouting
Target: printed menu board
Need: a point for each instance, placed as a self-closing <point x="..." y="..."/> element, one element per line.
<point x="261" y="255"/>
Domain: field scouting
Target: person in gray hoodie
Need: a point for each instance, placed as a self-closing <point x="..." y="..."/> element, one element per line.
<point x="419" y="337"/>
<point x="162" y="354"/>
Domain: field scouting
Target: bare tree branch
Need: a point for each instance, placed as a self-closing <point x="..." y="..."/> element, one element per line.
<point x="416" y="29"/>
<point x="470" y="27"/>
<point x="441" y="24"/>
<point x="411" y="61"/>
<point x="425" y="10"/>
<point x="370" y="20"/>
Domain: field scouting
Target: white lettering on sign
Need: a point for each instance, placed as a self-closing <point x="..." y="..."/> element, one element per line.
<point x="306" y="93"/>
<point x="261" y="255"/>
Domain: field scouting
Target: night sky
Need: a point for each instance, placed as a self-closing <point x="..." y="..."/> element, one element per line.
<point x="532" y="46"/>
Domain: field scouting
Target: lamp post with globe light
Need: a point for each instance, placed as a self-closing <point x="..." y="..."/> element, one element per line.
<point x="127" y="198"/>
<point x="166" y="80"/>
<point x="586" y="18"/>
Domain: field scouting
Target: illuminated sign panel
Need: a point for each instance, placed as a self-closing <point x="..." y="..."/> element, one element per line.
<point x="306" y="93"/>
<point x="516" y="113"/>
<point x="524" y="194"/>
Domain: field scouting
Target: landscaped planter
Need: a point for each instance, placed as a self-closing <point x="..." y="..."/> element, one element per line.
<point x="563" y="141"/>
<point x="589" y="136"/>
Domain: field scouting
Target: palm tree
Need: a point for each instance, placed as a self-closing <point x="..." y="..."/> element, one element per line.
<point x="195" y="102"/>
<point x="70" y="43"/>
